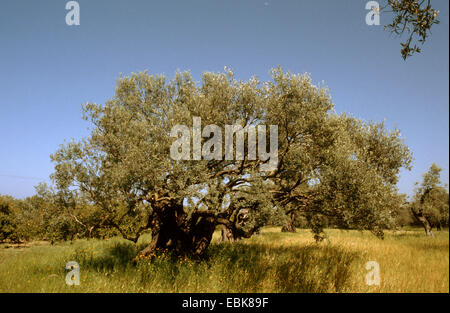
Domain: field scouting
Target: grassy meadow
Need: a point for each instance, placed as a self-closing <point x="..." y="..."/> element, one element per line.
<point x="270" y="262"/>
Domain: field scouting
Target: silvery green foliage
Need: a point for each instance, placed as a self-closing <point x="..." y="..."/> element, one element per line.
<point x="415" y="17"/>
<point x="431" y="198"/>
<point x="329" y="164"/>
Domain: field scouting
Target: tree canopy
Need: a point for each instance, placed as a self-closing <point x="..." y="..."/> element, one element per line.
<point x="328" y="164"/>
<point x="431" y="200"/>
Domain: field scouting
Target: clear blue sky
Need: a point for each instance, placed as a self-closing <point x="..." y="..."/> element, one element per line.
<point x="48" y="69"/>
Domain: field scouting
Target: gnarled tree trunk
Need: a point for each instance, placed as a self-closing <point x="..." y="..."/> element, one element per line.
<point x="227" y="235"/>
<point x="180" y="233"/>
<point x="174" y="231"/>
<point x="289" y="226"/>
<point x="424" y="221"/>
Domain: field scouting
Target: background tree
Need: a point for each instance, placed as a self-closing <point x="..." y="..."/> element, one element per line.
<point x="8" y="219"/>
<point x="403" y="215"/>
<point x="55" y="216"/>
<point x="431" y="201"/>
<point x="125" y="170"/>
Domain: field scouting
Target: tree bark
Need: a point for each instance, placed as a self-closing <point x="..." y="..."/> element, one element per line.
<point x="227" y="235"/>
<point x="424" y="221"/>
<point x="178" y="233"/>
<point x="289" y="226"/>
<point x="175" y="232"/>
<point x="439" y="225"/>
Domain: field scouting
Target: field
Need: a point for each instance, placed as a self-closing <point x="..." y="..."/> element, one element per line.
<point x="270" y="262"/>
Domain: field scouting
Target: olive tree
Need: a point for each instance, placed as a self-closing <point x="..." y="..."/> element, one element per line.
<point x="431" y="201"/>
<point x="8" y="219"/>
<point x="127" y="169"/>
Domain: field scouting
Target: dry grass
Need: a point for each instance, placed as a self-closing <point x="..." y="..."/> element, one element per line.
<point x="270" y="262"/>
